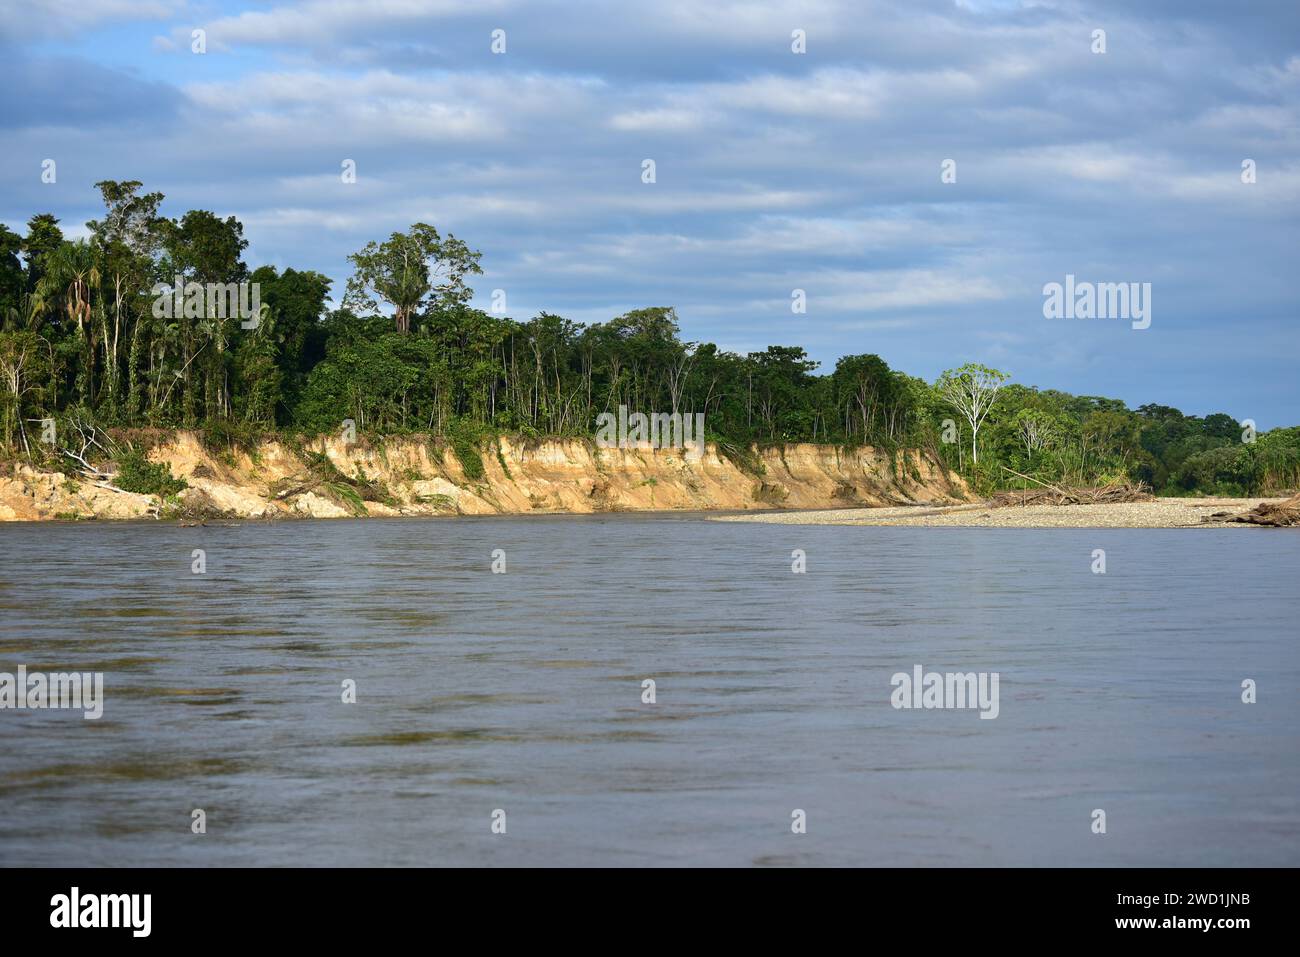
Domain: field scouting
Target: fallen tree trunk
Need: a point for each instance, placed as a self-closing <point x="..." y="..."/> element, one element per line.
<point x="1277" y="514"/>
<point x="1048" y="494"/>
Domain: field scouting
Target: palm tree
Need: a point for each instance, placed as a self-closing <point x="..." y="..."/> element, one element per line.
<point x="72" y="275"/>
<point x="25" y="316"/>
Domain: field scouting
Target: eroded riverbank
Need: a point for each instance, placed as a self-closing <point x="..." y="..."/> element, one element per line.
<point x="413" y="476"/>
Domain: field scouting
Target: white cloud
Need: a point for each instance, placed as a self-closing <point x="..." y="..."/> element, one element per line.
<point x="329" y="21"/>
<point x="66" y="17"/>
<point x="856" y="291"/>
<point x="665" y="120"/>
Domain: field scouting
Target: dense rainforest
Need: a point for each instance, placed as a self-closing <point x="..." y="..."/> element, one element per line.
<point x="83" y="339"/>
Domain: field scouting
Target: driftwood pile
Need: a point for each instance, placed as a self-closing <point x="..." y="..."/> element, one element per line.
<point x="98" y="444"/>
<point x="1277" y="514"/>
<point x="1048" y="494"/>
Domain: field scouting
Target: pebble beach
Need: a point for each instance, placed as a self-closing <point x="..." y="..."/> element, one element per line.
<point x="1160" y="513"/>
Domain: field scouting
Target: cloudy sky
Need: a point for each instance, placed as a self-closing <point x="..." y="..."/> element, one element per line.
<point x="775" y="170"/>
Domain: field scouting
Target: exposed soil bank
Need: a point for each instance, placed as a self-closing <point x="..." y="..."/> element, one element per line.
<point x="1160" y="513"/>
<point x="413" y="477"/>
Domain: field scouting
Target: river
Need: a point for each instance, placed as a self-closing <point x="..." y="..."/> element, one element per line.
<point x="522" y="692"/>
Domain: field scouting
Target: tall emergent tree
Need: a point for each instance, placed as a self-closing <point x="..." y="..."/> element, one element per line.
<point x="972" y="390"/>
<point x="204" y="248"/>
<point x="124" y="243"/>
<point x="409" y="267"/>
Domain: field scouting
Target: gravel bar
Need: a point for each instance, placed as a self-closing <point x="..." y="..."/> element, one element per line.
<point x="1161" y="513"/>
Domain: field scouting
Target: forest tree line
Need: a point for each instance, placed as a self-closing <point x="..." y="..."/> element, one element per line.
<point x="81" y="335"/>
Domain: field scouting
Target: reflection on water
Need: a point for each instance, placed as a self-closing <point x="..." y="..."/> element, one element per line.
<point x="523" y="692"/>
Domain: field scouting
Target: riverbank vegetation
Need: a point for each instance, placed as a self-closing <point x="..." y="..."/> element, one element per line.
<point x="81" y="338"/>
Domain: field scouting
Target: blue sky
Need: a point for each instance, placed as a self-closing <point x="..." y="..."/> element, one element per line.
<point x="775" y="171"/>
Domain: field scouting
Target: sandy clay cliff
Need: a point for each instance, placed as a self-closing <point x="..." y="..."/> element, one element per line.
<point x="410" y="476"/>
